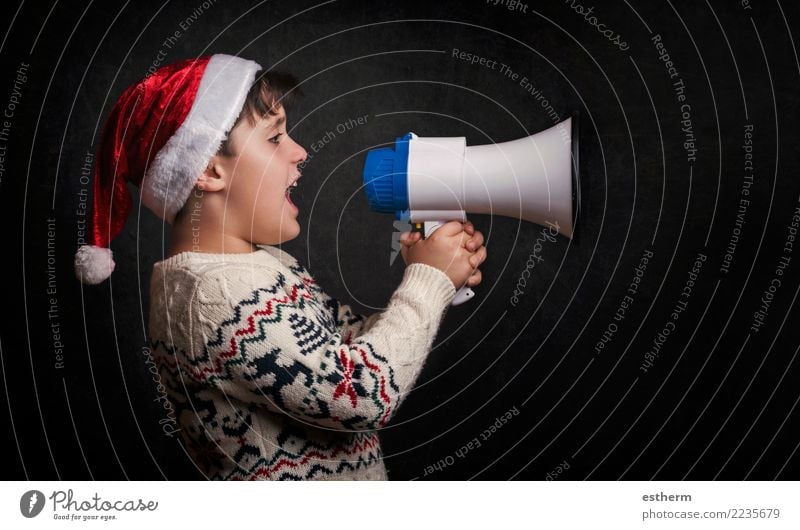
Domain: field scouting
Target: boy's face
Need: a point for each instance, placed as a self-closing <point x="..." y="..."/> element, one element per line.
<point x="263" y="166"/>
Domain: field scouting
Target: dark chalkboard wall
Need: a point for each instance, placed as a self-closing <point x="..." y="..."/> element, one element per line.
<point x="687" y="108"/>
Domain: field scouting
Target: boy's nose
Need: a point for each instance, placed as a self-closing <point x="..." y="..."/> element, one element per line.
<point x="301" y="154"/>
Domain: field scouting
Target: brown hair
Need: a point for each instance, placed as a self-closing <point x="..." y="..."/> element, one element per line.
<point x="270" y="91"/>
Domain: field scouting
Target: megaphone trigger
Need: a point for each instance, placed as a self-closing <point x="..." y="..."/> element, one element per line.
<point x="430" y="227"/>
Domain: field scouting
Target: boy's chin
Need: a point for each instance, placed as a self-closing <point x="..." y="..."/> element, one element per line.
<point x="290" y="238"/>
<point x="289" y="234"/>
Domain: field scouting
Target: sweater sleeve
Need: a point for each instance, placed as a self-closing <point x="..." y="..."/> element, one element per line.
<point x="349" y="323"/>
<point x="265" y="341"/>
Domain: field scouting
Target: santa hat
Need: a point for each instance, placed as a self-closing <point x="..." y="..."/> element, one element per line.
<point x="160" y="136"/>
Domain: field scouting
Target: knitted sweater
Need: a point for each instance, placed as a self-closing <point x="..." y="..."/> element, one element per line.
<point x="273" y="379"/>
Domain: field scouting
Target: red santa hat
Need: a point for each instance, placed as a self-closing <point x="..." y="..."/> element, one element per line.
<point x="160" y="136"/>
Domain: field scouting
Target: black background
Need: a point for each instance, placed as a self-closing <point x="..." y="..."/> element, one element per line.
<point x="720" y="401"/>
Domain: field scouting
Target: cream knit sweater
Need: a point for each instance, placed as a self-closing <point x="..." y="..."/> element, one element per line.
<point x="271" y="378"/>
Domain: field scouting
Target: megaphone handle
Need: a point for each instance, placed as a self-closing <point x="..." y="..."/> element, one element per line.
<point x="463" y="294"/>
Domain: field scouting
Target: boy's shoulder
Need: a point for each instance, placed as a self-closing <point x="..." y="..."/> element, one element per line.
<point x="283" y="257"/>
<point x="215" y="278"/>
<point x="197" y="265"/>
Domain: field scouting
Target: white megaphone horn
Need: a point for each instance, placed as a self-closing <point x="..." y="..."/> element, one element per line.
<point x="430" y="180"/>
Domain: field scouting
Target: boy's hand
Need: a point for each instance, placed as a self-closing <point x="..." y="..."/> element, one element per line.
<point x="454" y="248"/>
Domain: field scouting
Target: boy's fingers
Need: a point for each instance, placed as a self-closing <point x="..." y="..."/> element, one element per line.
<point x="478" y="258"/>
<point x="475" y="279"/>
<point x="450" y="228"/>
<point x="475" y="242"/>
<point x="408" y="237"/>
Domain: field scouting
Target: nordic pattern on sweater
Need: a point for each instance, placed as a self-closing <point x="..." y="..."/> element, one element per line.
<point x="276" y="379"/>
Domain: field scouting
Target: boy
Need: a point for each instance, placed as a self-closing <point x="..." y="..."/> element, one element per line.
<point x="270" y="377"/>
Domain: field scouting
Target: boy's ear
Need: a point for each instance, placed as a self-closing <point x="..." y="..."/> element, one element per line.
<point x="213" y="176"/>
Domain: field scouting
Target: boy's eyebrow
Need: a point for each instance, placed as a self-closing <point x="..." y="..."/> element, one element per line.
<point x="279" y="121"/>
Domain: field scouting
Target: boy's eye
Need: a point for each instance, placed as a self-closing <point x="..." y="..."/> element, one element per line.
<point x="276" y="139"/>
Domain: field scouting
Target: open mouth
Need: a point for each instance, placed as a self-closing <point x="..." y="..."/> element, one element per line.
<point x="288" y="194"/>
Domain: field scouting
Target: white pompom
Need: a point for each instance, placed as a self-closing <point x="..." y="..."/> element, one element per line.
<point x="93" y="264"/>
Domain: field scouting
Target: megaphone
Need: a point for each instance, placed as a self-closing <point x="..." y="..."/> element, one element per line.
<point x="429" y="181"/>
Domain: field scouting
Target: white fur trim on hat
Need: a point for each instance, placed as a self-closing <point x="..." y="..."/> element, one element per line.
<point x="220" y="97"/>
<point x="93" y="264"/>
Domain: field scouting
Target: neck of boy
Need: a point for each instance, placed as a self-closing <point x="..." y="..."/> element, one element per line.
<point x="221" y="244"/>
